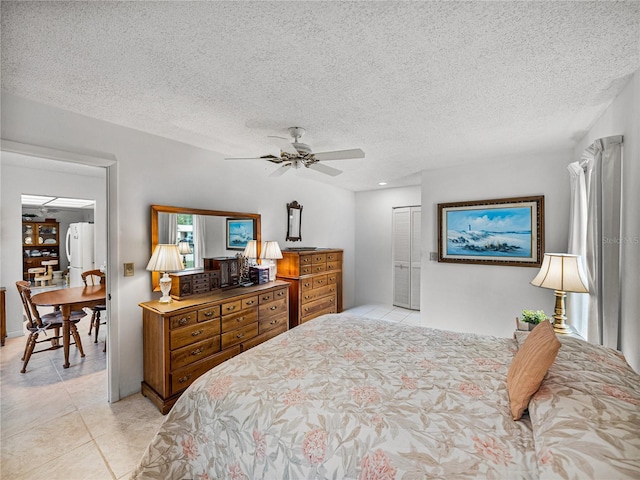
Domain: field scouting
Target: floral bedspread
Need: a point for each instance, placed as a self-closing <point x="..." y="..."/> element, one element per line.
<point x="348" y="397"/>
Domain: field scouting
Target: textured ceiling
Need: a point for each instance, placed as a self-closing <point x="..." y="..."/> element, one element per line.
<point x="416" y="85"/>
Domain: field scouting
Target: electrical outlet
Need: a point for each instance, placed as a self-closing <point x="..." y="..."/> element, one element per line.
<point x="433" y="256"/>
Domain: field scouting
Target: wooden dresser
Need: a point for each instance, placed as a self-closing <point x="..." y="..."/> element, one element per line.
<point x="184" y="339"/>
<point x="315" y="278"/>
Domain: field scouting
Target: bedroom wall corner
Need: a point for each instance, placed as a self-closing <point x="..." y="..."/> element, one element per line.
<point x="486" y="299"/>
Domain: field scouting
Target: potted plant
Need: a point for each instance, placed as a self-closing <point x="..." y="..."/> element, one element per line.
<point x="533" y="318"/>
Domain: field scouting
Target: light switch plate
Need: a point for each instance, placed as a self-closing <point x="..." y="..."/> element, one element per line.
<point x="128" y="269"/>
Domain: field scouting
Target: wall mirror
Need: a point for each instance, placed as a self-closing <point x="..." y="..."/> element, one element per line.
<point x="205" y="232"/>
<point x="294" y="216"/>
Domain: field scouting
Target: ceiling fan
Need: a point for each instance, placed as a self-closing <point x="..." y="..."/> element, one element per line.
<point x="296" y="154"/>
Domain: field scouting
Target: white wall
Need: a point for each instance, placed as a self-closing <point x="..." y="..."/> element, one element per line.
<point x="487" y="298"/>
<point x="623" y="117"/>
<point x="155" y="170"/>
<point x="19" y="176"/>
<point x="373" y="223"/>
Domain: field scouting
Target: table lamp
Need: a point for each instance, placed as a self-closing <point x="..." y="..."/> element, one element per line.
<point x="272" y="252"/>
<point x="250" y="251"/>
<point x="165" y="258"/>
<point x="185" y="249"/>
<point x="563" y="273"/>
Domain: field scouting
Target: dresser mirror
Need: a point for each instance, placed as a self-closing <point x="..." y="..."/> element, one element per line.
<point x="205" y="231"/>
<point x="294" y="216"/>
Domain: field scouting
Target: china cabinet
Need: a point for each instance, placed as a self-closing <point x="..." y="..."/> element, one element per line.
<point x="40" y="243"/>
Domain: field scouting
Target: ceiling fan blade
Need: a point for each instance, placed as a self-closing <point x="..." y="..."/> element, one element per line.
<point x="246" y="158"/>
<point x="325" y="169"/>
<point x="283" y="144"/>
<point x="339" y="154"/>
<point x="281" y="170"/>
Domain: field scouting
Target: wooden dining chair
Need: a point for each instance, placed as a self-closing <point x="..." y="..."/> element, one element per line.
<point x="37" y="324"/>
<point x="95" y="277"/>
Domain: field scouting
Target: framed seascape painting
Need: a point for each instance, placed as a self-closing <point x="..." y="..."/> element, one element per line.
<point x="239" y="232"/>
<point x="505" y="231"/>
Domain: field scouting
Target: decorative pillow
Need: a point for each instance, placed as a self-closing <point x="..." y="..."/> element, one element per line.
<point x="530" y="365"/>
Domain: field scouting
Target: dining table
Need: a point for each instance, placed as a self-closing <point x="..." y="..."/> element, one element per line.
<point x="68" y="299"/>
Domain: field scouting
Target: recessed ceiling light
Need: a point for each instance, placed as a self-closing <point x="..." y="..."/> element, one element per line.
<point x="35" y="199"/>
<point x="382" y="183"/>
<point x="70" y="202"/>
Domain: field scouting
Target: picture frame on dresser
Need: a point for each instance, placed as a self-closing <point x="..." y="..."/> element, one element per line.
<point x="503" y="231"/>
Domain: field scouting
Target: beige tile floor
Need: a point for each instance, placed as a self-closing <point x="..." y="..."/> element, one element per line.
<point x="56" y="423"/>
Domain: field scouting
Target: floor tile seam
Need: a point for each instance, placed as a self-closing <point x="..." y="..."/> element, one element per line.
<point x="97" y="447"/>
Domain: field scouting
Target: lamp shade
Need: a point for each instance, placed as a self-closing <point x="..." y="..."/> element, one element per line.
<point x="165" y="258"/>
<point x="562" y="272"/>
<point x="250" y="251"/>
<point x="271" y="250"/>
<point x="184" y="248"/>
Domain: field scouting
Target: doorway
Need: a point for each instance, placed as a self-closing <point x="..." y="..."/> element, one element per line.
<point x="406" y="257"/>
<point x="47" y="172"/>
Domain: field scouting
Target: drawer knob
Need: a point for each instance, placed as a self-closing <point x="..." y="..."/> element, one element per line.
<point x="197" y="351"/>
<point x="184" y="379"/>
<point x="240" y="335"/>
<point x="332" y="300"/>
<point x="273" y="322"/>
<point x="320" y="282"/>
<point x="250" y="302"/>
<point x="306" y="309"/>
<point x="184" y="321"/>
<point x="265" y="298"/>
<point x="307" y="297"/>
<point x="208" y="314"/>
<point x="240" y="319"/>
<point x="196" y="333"/>
<point x="231" y="307"/>
<point x="307" y="284"/>
<point x="275" y="307"/>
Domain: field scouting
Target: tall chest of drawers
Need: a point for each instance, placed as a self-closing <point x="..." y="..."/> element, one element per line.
<point x="315" y="282"/>
<point x="186" y="338"/>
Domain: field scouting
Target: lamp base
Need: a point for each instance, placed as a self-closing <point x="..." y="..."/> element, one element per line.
<point x="165" y="288"/>
<point x="559" y="325"/>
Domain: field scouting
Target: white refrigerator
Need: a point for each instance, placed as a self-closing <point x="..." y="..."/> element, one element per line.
<point x="80" y="251"/>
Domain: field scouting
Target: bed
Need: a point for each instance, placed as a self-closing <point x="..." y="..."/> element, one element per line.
<point x="349" y="397"/>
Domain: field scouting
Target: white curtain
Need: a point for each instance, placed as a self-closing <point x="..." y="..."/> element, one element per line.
<point x="603" y="184"/>
<point x="167" y="228"/>
<point x="578" y="303"/>
<point x="198" y="241"/>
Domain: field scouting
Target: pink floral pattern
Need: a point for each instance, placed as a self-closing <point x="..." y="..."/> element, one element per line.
<point x="377" y="467"/>
<point x="422" y="403"/>
<point x="314" y="446"/>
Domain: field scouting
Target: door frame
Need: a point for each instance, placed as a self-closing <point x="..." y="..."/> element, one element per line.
<point x="109" y="162"/>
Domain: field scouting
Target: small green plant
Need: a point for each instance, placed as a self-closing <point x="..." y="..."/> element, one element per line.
<point x="533" y="317"/>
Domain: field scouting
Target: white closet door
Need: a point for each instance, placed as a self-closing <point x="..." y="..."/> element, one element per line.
<point x="401" y="257"/>
<point x="414" y="302"/>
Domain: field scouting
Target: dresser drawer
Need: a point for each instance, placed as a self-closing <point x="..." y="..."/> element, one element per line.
<point x="281" y="293"/>
<point x="318" y="307"/>
<point x="231" y="307"/>
<point x="239" y="335"/>
<point x="183" y="320"/>
<point x="306" y="270"/>
<point x="319" y="258"/>
<point x="332" y="278"/>
<point x="306" y="283"/>
<point x="273" y="308"/>
<point x="208" y="313"/>
<point x="192" y="353"/>
<point x="319" y="281"/>
<point x="334" y="257"/>
<point x="240" y="319"/>
<point x="263" y="337"/>
<point x="249" y="302"/>
<point x="194" y="333"/>
<point x="318" y="268"/>
<point x="269" y="323"/>
<point x="316" y="293"/>
<point x="181" y="379"/>
<point x="306" y="260"/>
<point x="265" y="298"/>
<point x="333" y="266"/>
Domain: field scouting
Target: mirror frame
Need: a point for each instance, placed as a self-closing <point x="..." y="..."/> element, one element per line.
<point x="290" y="222"/>
<point x="156" y="209"/>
